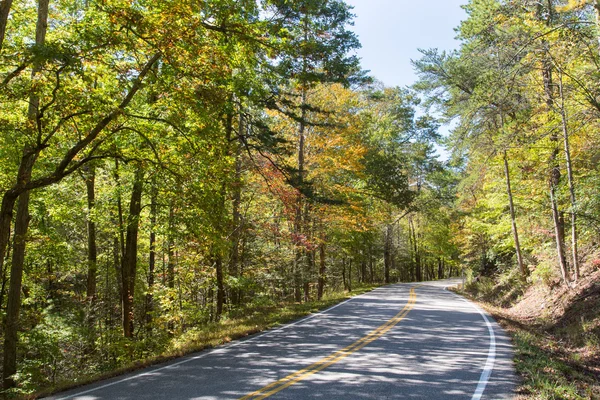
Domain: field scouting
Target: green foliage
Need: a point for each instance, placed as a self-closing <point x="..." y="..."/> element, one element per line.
<point x="547" y="375"/>
<point x="544" y="273"/>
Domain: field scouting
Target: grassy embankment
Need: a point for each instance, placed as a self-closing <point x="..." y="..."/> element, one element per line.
<point x="555" y="331"/>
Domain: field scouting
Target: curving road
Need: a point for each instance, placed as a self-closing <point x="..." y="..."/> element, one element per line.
<point x="400" y="341"/>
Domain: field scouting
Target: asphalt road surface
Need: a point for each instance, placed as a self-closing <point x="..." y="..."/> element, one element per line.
<point x="413" y="341"/>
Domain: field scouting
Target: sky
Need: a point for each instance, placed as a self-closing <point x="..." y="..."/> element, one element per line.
<point x="392" y="31"/>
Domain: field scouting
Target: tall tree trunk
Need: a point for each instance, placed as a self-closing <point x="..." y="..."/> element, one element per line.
<point x="220" y="286"/>
<point x="309" y="259"/>
<point x="554" y="175"/>
<point x="90" y="179"/>
<point x="3" y="281"/>
<point x="216" y="252"/>
<point x="412" y="271"/>
<point x="344" y="273"/>
<point x="237" y="224"/>
<point x="350" y="275"/>
<point x="363" y="268"/>
<point x="322" y="265"/>
<point x="565" y="130"/>
<point x="14" y="292"/>
<point x="513" y="219"/>
<point x="121" y="221"/>
<point x="119" y="240"/>
<point x="22" y="218"/>
<point x="387" y="253"/>
<point x="129" y="267"/>
<point x="597" y="8"/>
<point x="393" y="261"/>
<point x="418" y="271"/>
<point x="299" y="202"/>
<point x="117" y="257"/>
<point x="151" y="258"/>
<point x="558" y="227"/>
<point x="6" y="214"/>
<point x="171" y="265"/>
<point x="310" y="267"/>
<point x="371" y="268"/>
<point x="89" y="176"/>
<point x="5" y="6"/>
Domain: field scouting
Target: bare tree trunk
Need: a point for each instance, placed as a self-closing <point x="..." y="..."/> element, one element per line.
<point x="513" y="219"/>
<point x="129" y="267"/>
<point x="563" y="115"/>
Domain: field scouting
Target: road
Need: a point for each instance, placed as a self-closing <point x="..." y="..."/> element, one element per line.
<point x="399" y="341"/>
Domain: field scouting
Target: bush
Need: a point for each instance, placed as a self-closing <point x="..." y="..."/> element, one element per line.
<point x="544" y="273"/>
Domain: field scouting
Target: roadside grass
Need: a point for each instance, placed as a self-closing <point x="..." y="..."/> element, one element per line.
<point x="242" y="323"/>
<point x="548" y="369"/>
<point x="550" y="361"/>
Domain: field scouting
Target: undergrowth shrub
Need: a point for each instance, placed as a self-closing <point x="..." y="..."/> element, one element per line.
<point x="544" y="273"/>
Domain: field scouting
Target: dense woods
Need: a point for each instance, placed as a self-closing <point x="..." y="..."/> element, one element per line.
<point x="169" y="165"/>
<point x="523" y="92"/>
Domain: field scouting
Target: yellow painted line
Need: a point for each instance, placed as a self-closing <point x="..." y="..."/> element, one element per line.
<point x="333" y="358"/>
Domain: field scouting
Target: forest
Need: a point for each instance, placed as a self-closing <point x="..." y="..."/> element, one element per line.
<point x="168" y="167"/>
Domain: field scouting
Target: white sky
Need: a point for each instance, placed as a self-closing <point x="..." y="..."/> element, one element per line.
<point x="391" y="31"/>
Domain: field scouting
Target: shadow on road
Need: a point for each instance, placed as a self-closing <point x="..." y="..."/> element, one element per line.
<point x="437" y="352"/>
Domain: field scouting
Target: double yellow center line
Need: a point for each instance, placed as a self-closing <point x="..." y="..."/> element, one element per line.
<point x="333" y="358"/>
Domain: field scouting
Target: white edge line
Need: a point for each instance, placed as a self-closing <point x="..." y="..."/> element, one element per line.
<point x="491" y="358"/>
<point x="220" y="348"/>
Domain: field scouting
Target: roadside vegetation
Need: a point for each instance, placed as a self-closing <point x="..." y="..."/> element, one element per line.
<point x="556" y="333"/>
<point x="171" y="168"/>
<point x="250" y="320"/>
<point x="522" y="90"/>
<point x="177" y="173"/>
